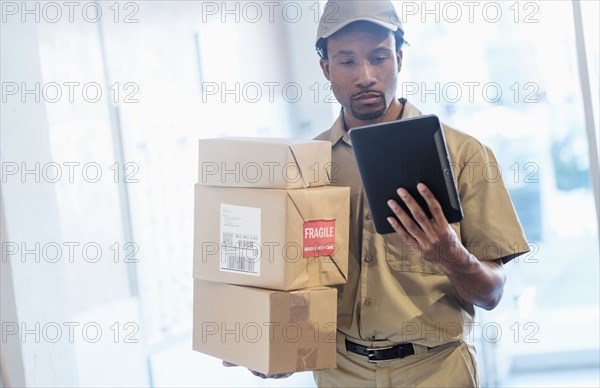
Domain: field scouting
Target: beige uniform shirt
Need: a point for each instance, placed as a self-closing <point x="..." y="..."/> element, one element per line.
<point x="392" y="294"/>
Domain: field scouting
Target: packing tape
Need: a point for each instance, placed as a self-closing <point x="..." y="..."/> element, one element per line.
<point x="299" y="303"/>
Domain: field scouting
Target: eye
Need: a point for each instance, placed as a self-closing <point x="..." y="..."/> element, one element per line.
<point x="347" y="62"/>
<point x="379" y="59"/>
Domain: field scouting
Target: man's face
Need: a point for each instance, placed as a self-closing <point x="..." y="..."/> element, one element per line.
<point x="363" y="68"/>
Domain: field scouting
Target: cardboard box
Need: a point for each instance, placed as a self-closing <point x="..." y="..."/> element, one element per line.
<point x="264" y="163"/>
<point x="277" y="239"/>
<point x="265" y="330"/>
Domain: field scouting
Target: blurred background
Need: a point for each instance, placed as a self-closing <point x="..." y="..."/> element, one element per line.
<point x="102" y="107"/>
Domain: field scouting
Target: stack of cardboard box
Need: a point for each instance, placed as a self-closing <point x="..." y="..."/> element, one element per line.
<point x="270" y="235"/>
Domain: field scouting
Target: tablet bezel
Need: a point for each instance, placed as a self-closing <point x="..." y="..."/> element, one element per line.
<point x="418" y="138"/>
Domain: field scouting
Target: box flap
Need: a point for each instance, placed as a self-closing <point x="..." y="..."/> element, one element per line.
<point x="264" y="162"/>
<point x="333" y="204"/>
<point x="307" y="157"/>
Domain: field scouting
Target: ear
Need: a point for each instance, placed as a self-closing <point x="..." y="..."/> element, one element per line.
<point x="325" y="67"/>
<point x="399" y="60"/>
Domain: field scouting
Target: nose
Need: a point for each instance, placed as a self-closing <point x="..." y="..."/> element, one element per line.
<point x="366" y="75"/>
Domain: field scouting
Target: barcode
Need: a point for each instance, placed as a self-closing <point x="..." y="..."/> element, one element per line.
<point x="242" y="256"/>
<point x="237" y="262"/>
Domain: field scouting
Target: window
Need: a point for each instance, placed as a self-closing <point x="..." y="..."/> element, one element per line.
<point x="508" y="76"/>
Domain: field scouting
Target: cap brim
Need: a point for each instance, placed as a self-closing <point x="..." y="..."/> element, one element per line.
<point x="389" y="26"/>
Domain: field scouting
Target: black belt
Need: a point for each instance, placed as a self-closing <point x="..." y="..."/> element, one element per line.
<point x="381" y="354"/>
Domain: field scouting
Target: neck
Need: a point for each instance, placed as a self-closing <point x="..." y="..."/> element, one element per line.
<point x="390" y="114"/>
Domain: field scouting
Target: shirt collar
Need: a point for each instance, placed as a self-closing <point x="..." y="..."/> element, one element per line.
<point x="338" y="132"/>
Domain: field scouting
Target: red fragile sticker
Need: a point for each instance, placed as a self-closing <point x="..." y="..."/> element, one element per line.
<point x="319" y="238"/>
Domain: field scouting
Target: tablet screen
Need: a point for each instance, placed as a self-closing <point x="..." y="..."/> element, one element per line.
<point x="404" y="153"/>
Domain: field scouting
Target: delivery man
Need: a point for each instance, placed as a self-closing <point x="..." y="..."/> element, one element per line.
<point x="405" y="315"/>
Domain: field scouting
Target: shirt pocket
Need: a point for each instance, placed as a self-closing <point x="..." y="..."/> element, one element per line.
<point x="402" y="257"/>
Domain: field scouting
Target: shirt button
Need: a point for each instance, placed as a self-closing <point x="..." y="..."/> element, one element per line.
<point x="368" y="302"/>
<point x="368" y="259"/>
<point x="369" y="216"/>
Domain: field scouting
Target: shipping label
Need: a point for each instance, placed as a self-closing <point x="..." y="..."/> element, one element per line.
<point x="240" y="239"/>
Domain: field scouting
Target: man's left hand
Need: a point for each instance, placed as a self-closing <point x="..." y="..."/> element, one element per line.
<point x="433" y="239"/>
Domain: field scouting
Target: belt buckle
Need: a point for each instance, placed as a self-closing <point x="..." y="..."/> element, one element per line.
<point x="371" y="354"/>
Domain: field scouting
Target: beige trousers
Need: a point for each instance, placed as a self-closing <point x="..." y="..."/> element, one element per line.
<point x="451" y="365"/>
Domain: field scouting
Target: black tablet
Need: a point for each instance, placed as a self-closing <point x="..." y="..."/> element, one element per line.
<point x="404" y="153"/>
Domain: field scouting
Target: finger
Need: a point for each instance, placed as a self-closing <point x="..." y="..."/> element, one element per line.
<point x="258" y="374"/>
<point x="273" y="376"/>
<point x="228" y="364"/>
<point x="416" y="210"/>
<point x="406" y="228"/>
<point x="280" y="376"/>
<point x="434" y="205"/>
<point x="413" y="229"/>
<point x="407" y="238"/>
<point x="399" y="229"/>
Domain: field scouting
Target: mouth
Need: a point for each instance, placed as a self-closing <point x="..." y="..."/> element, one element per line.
<point x="368" y="98"/>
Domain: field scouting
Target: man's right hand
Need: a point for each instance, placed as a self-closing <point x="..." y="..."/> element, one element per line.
<point x="262" y="375"/>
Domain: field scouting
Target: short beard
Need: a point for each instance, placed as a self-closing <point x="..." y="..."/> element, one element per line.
<point x="372" y="115"/>
<point x="367" y="116"/>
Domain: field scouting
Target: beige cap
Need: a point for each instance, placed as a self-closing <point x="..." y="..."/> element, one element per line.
<point x="338" y="14"/>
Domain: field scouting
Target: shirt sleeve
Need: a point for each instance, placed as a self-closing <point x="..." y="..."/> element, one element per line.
<point x="490" y="228"/>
